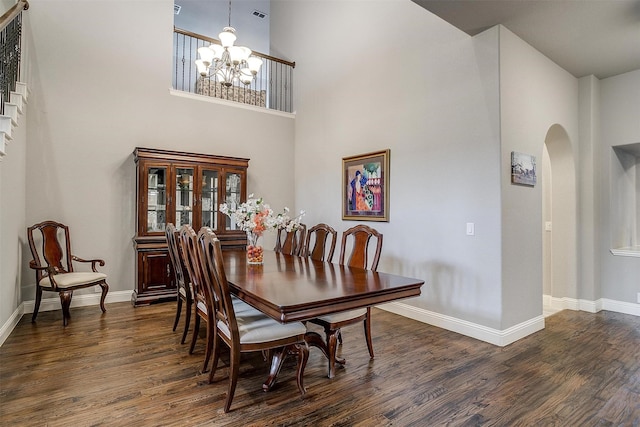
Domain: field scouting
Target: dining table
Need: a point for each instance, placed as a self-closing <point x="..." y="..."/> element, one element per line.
<point x="292" y="288"/>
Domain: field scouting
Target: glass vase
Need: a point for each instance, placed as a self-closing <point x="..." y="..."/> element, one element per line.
<point x="254" y="249"/>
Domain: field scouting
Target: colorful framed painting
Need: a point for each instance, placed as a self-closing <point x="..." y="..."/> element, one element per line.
<point x="365" y="187"/>
<point x="523" y="169"/>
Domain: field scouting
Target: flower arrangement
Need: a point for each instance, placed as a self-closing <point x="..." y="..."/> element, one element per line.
<point x="254" y="216"/>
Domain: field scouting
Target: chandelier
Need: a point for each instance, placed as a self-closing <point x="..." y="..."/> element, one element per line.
<point x="225" y="62"/>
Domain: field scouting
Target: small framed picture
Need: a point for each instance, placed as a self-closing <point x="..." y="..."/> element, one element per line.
<point x="523" y="169"/>
<point x="365" y="187"/>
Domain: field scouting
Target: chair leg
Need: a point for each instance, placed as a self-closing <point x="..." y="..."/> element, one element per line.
<point x="194" y="337"/>
<point x="303" y="357"/>
<point x="105" y="289"/>
<point x="187" y="320"/>
<point x="65" y="299"/>
<point x="332" y="344"/>
<point x="37" y="304"/>
<point x="234" y="369"/>
<point x="178" y="311"/>
<point x="209" y="345"/>
<point x="367" y="332"/>
<point x="216" y="355"/>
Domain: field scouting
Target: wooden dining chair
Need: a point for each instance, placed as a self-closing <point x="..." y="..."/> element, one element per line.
<point x="244" y="329"/>
<point x="322" y="234"/>
<point x="359" y="237"/>
<point x="201" y="298"/>
<point x="53" y="264"/>
<point x="291" y="242"/>
<point x="182" y="280"/>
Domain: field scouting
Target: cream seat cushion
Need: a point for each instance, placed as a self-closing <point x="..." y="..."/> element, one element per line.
<point x="239" y="307"/>
<point x="69" y="280"/>
<point x="343" y="315"/>
<point x="255" y="327"/>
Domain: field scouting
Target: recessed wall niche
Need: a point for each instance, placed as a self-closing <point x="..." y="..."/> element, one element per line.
<point x="625" y="200"/>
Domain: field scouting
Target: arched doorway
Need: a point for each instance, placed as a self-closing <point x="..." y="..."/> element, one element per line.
<point x="559" y="212"/>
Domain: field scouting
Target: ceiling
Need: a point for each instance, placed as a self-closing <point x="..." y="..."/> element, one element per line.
<point x="599" y="37"/>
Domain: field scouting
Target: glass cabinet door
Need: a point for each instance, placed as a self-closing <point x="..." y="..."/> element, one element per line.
<point x="184" y="196"/>
<point x="233" y="196"/>
<point x="156" y="199"/>
<point x="209" y="199"/>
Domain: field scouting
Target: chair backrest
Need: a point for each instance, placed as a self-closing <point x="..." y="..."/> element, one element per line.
<point x="189" y="248"/>
<point x="213" y="267"/>
<point x="323" y="234"/>
<point x="177" y="260"/>
<point x="53" y="253"/>
<point x="360" y="248"/>
<point x="291" y="242"/>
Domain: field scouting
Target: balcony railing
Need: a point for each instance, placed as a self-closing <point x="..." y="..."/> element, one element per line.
<point x="10" y="50"/>
<point x="272" y="87"/>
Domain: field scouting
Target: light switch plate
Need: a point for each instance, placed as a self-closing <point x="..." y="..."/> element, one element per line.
<point x="471" y="229"/>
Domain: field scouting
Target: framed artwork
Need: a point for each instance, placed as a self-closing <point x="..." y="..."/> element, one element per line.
<point x="523" y="169"/>
<point x="365" y="187"/>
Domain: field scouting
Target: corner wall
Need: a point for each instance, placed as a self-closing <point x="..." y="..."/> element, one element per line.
<point x="619" y="125"/>
<point x="535" y="94"/>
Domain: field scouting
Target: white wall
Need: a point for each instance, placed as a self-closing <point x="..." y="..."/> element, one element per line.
<point x="619" y="125"/>
<point x="13" y="197"/>
<point x="429" y="93"/>
<point x="102" y="73"/>
<point x="535" y="94"/>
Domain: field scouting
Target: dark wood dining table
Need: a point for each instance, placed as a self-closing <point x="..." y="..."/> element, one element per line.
<point x="291" y="288"/>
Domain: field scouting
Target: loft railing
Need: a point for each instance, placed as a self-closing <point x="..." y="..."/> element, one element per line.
<point x="10" y="50"/>
<point x="272" y="87"/>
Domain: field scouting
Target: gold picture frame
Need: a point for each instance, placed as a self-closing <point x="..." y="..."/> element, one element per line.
<point x="365" y="187"/>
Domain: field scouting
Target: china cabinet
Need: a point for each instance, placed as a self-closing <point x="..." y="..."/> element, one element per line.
<point x="180" y="188"/>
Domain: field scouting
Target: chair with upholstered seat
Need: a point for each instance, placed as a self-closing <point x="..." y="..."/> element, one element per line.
<point x="182" y="280"/>
<point x="322" y="235"/>
<point x="53" y="264"/>
<point x="243" y="328"/>
<point x="291" y="242"/>
<point x="189" y="249"/>
<point x="359" y="236"/>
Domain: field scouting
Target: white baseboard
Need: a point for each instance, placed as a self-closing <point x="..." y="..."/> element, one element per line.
<point x="49" y="304"/>
<point x="11" y="323"/>
<point x="592" y="306"/>
<point x="514" y="333"/>
<point x="473" y="330"/>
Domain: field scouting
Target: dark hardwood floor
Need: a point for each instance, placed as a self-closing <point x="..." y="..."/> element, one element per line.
<point x="127" y="368"/>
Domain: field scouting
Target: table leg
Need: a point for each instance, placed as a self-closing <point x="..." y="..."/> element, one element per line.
<point x="277" y="360"/>
<point x="314" y="339"/>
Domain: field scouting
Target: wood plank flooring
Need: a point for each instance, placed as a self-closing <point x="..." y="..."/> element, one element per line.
<point x="127" y="368"/>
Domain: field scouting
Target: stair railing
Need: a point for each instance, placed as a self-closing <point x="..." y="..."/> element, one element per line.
<point x="10" y="49"/>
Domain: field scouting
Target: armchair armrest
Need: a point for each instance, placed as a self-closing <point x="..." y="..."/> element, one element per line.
<point x="92" y="261"/>
<point x="45" y="271"/>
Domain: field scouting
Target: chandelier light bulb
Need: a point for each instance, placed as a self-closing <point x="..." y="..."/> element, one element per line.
<point x="227" y="36"/>
<point x="254" y="64"/>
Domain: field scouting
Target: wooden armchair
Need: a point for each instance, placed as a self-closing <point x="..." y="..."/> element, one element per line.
<point x="243" y="328"/>
<point x="322" y="234"/>
<point x="53" y="264"/>
<point x="292" y="242"/>
<point x="183" y="282"/>
<point x="332" y="323"/>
